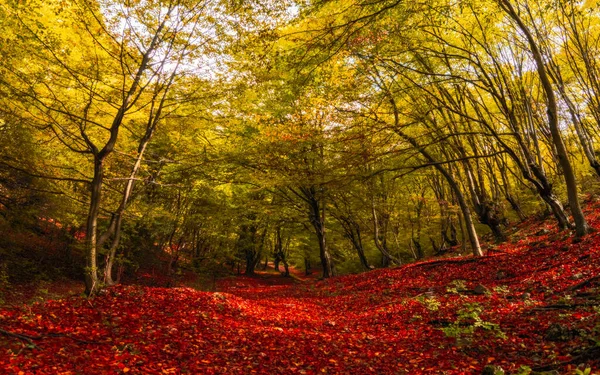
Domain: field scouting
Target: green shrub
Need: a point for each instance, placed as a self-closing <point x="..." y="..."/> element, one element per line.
<point x="468" y="321"/>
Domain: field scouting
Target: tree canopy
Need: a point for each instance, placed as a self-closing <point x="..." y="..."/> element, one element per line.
<point x="349" y="134"/>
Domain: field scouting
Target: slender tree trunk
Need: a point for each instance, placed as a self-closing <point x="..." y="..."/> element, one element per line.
<point x="352" y="233"/>
<point x="357" y="242"/>
<point x="469" y="225"/>
<point x="581" y="226"/>
<point x="483" y="207"/>
<point x="112" y="252"/>
<point x="281" y="253"/>
<point x="286" y="267"/>
<point x="412" y="249"/>
<point x="351" y="230"/>
<point x="584" y="139"/>
<point x="125" y="200"/>
<point x="91" y="271"/>
<point x="531" y="170"/>
<point x="464" y="207"/>
<point x="506" y="190"/>
<point x="450" y="239"/>
<point x="380" y="240"/>
<point x="317" y="218"/>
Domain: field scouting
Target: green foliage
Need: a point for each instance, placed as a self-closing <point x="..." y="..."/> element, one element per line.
<point x="524" y="370"/>
<point x="468" y="321"/>
<point x="326" y="97"/>
<point x="430" y="303"/>
<point x="456" y="286"/>
<point x="565" y="299"/>
<point x="501" y="289"/>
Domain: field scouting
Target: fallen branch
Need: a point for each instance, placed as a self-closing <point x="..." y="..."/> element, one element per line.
<point x="590" y="353"/>
<point x="75" y="339"/>
<point x="565" y="306"/>
<point x="447" y="261"/>
<point x="26" y="338"/>
<point x="584" y="283"/>
<point x="29" y="339"/>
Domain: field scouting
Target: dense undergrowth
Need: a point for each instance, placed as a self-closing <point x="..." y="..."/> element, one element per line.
<point x="530" y="303"/>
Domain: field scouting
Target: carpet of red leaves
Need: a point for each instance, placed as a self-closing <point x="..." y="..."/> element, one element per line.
<point x="422" y="318"/>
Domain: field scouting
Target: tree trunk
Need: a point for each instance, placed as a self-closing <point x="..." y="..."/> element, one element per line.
<point x="484" y="209"/>
<point x="250" y="263"/>
<point x="317" y="219"/>
<point x="91" y="271"/>
<point x="286" y="266"/>
<point x="581" y="226"/>
<point x="246" y="246"/>
<point x="281" y="254"/>
<point x="357" y="243"/>
<point x="380" y="240"/>
<point x="531" y="169"/>
<point x="412" y="249"/>
<point x="585" y="141"/>
<point x="352" y="232"/>
<point x="112" y="252"/>
<point x="469" y="225"/>
<point x="464" y="207"/>
<point x="307" y="270"/>
<point x="506" y="189"/>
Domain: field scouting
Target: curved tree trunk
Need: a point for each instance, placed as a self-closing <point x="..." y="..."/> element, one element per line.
<point x="581" y="226"/>
<point x="482" y="205"/>
<point x="280" y="252"/>
<point x="115" y="228"/>
<point x="352" y="232"/>
<point x="380" y="240"/>
<point x="464" y="207"/>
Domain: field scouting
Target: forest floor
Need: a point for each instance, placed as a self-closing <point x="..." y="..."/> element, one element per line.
<point x="530" y="303"/>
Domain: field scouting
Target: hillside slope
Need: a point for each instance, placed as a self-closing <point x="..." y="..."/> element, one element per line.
<point x="533" y="301"/>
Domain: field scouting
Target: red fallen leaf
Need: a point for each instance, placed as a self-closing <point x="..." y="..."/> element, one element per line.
<point x="262" y="326"/>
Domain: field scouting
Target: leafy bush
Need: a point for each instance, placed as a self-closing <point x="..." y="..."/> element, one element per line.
<point x="468" y="321"/>
<point x="430" y="303"/>
<point x="456" y="286"/>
